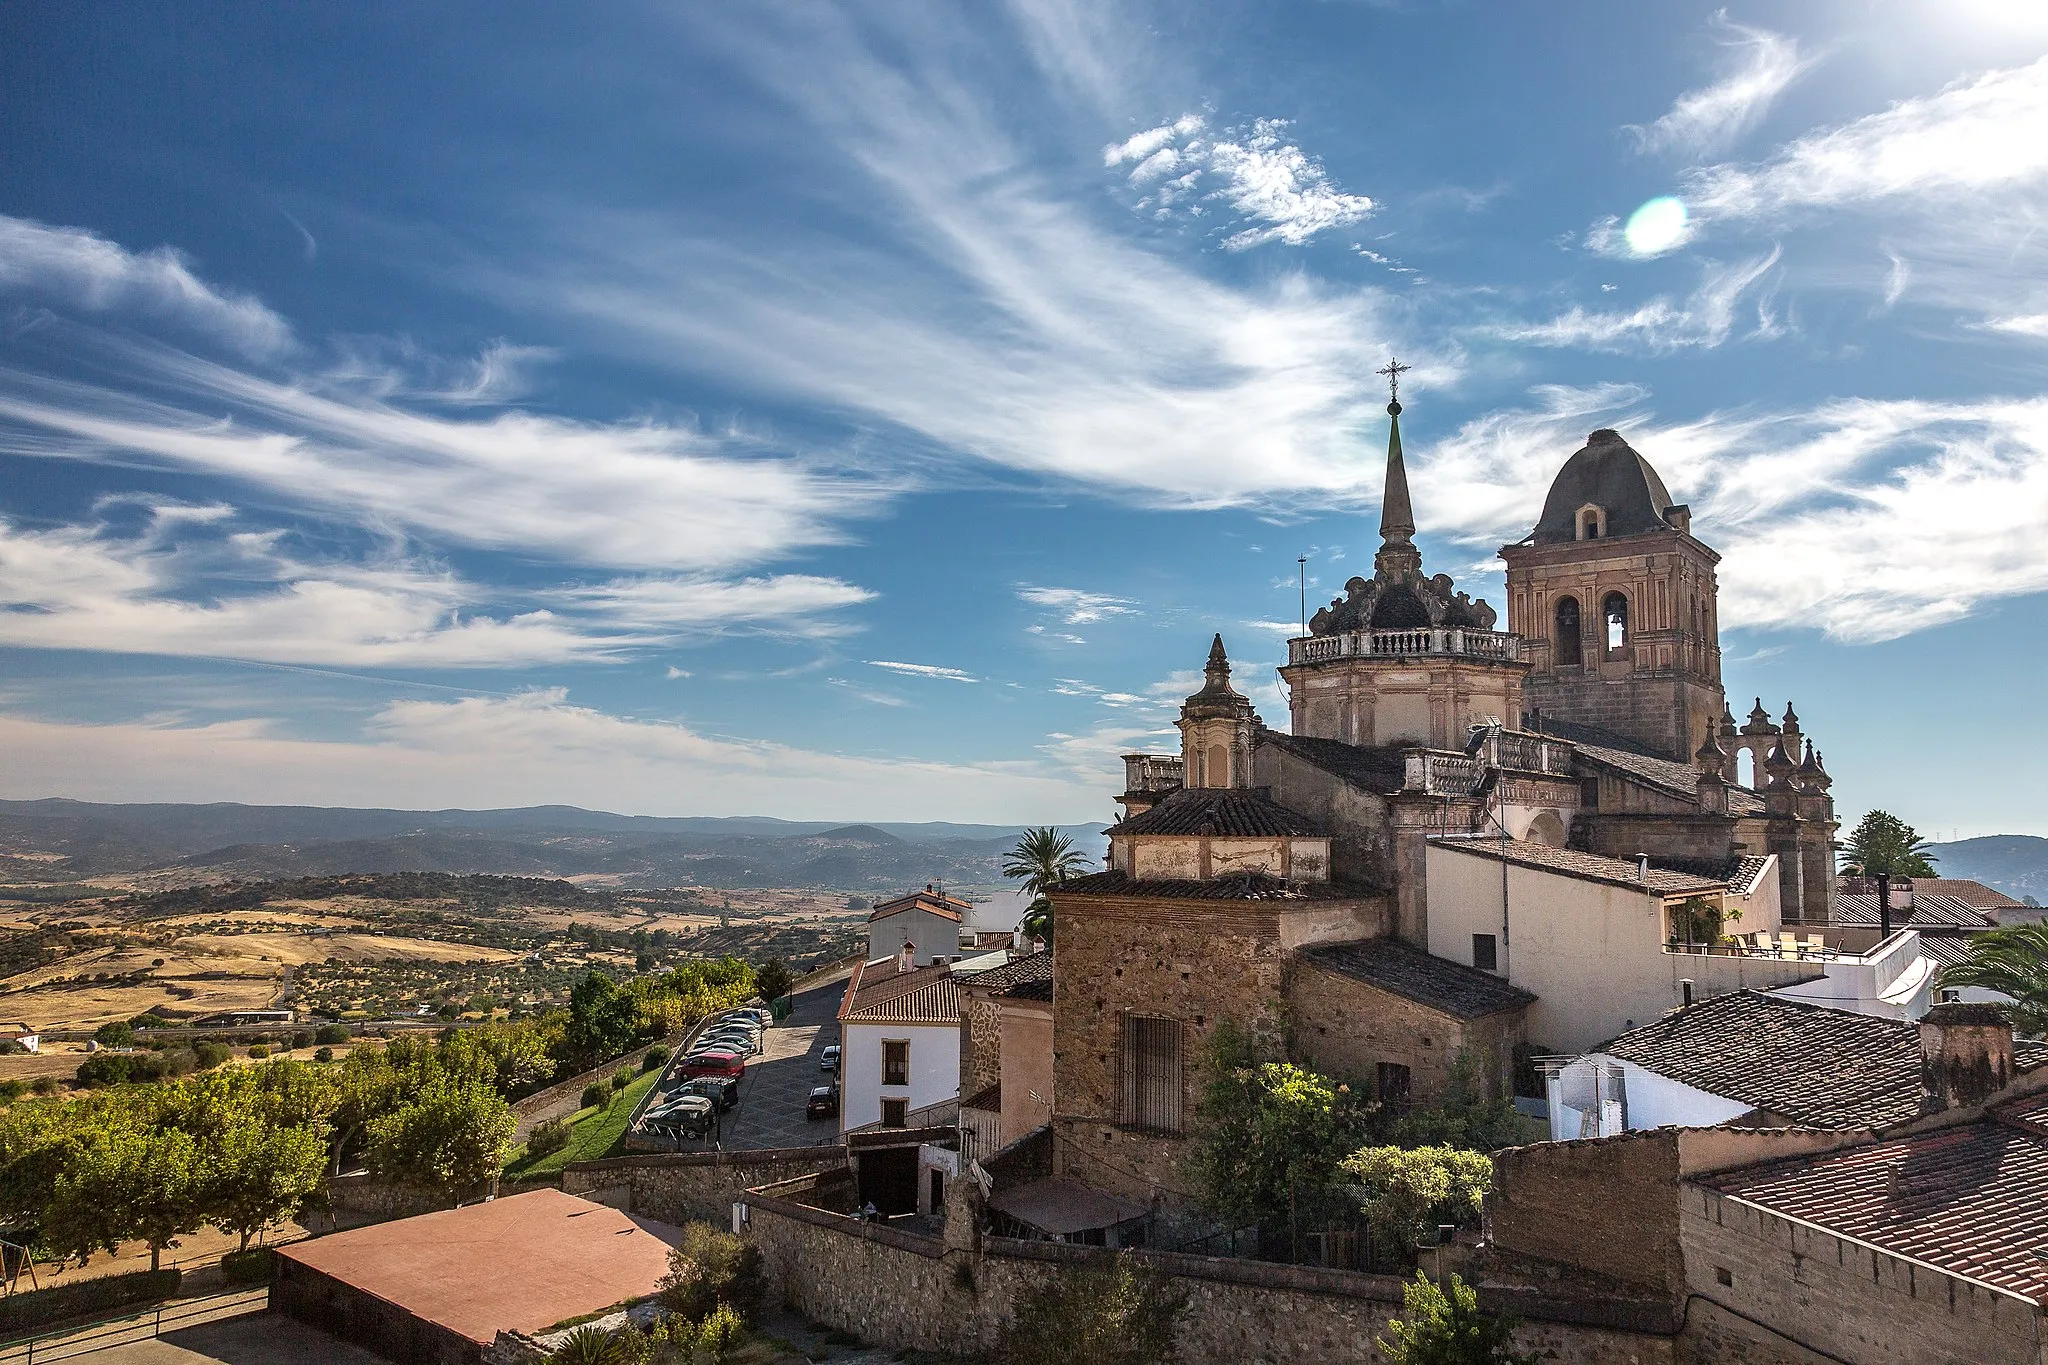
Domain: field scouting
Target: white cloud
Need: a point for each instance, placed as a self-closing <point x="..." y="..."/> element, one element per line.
<point x="924" y="670"/>
<point x="1864" y="520"/>
<point x="633" y="494"/>
<point x="1075" y="607"/>
<point x="536" y="748"/>
<point x="1264" y="178"/>
<point x="1981" y="135"/>
<point x="1758" y="65"/>
<point x="1707" y="317"/>
<point x="787" y="604"/>
<point x="674" y="673"/>
<point x="2021" y="324"/>
<point x="88" y="272"/>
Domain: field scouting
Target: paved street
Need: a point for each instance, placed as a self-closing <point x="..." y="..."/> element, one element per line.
<point x="771" y="1108"/>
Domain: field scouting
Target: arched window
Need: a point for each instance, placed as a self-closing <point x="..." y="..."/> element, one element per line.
<point x="1615" y="612"/>
<point x="1592" y="522"/>
<point x="1565" y="639"/>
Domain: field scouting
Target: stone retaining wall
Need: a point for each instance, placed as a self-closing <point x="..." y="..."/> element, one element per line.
<point x="531" y="1109"/>
<point x="678" y="1187"/>
<point x="904" y="1290"/>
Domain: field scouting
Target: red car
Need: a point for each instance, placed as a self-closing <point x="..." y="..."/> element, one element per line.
<point x="715" y="1064"/>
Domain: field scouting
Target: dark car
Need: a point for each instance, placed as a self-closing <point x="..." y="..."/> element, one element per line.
<point x="828" y="1060"/>
<point x="823" y="1103"/>
<point x="723" y="1091"/>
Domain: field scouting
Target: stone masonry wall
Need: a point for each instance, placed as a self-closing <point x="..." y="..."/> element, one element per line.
<point x="901" y="1290"/>
<point x="1602" y="1206"/>
<point x="1845" y="1299"/>
<point x="679" y="1187"/>
<point x="1345" y="1028"/>
<point x="981" y="1043"/>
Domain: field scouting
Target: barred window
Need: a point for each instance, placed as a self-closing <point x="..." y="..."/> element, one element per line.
<point x="1153" y="1075"/>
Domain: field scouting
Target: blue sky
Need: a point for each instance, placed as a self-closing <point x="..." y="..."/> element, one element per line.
<point x="869" y="412"/>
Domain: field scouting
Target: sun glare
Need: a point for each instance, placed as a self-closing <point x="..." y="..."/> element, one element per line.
<point x="1656" y="227"/>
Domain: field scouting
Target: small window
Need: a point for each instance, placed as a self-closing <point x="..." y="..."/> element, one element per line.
<point x="896" y="1062"/>
<point x="1565" y="638"/>
<point x="1153" y="1075"/>
<point x="1592" y="523"/>
<point x="895" y="1113"/>
<point x="1615" y="612"/>
<point x="1392" y="1080"/>
<point x="1485" y="954"/>
<point x="1723" y="1278"/>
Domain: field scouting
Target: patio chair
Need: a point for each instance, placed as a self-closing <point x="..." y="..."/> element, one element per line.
<point x="1815" y="947"/>
<point x="1788" y="944"/>
<point x="1764" y="944"/>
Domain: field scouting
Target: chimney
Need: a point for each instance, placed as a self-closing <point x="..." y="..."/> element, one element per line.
<point x="1965" y="1056"/>
<point x="906" y="961"/>
<point x="1642" y="867"/>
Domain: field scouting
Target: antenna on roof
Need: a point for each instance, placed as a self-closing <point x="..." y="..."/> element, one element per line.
<point x="1302" y="560"/>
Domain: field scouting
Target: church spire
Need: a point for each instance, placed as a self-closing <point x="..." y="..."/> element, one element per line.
<point x="1397" y="554"/>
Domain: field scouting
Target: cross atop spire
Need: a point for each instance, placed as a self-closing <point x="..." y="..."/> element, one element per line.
<point x="1393" y="370"/>
<point x="1397" y="556"/>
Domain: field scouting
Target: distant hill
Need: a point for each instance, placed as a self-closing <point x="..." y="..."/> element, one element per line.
<point x="2016" y="864"/>
<point x="59" y="840"/>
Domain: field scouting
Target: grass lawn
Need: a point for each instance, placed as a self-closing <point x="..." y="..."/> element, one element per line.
<point x="592" y="1133"/>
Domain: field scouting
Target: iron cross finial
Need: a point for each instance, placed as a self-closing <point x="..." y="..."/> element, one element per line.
<point x="1393" y="370"/>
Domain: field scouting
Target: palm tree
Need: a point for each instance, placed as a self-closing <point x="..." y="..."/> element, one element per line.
<point x="1042" y="859"/>
<point x="2012" y="961"/>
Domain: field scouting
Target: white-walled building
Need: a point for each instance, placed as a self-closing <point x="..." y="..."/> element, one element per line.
<point x="899" y="1040"/>
<point x="929" y="921"/>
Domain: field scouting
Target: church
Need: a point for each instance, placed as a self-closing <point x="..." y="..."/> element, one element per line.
<point x="1469" y="840"/>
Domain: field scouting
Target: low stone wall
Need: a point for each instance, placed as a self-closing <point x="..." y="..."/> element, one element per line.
<point x="27" y="1309"/>
<point x="360" y="1198"/>
<point x="531" y="1109"/>
<point x="678" y="1187"/>
<point x="903" y="1290"/>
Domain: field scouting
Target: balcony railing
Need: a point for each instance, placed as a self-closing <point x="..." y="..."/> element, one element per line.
<point x="1399" y="644"/>
<point x="1441" y="774"/>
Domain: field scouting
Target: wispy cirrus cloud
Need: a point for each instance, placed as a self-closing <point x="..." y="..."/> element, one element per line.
<point x="84" y="270"/>
<point x="1280" y="193"/>
<point x="1980" y="135"/>
<point x="924" y="670"/>
<point x="1757" y="67"/>
<point x="1706" y="317"/>
<point x="1077" y="607"/>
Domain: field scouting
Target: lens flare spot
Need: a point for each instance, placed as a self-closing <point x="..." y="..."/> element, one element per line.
<point x="1657" y="226"/>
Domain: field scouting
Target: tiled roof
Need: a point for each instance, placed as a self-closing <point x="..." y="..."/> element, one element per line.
<point x="1447" y="987"/>
<point x="1016" y="972"/>
<point x="1250" y="886"/>
<point x="1030" y="990"/>
<point x="1812" y="1065"/>
<point x="1571" y="862"/>
<point x="931" y="903"/>
<point x="1243" y="812"/>
<point x="1926" y="912"/>
<point x="1969" y="892"/>
<point x="1678" y="779"/>
<point x="1970" y="1200"/>
<point x="1363" y="765"/>
<point x="879" y="993"/>
<point x="1744" y="878"/>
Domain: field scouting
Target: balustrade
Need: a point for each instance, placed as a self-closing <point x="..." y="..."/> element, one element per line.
<point x="1456" y="641"/>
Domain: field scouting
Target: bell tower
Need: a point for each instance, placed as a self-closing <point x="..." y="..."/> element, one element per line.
<point x="1615" y="601"/>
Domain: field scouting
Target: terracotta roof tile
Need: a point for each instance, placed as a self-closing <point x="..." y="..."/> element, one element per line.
<point x="930" y="902"/>
<point x="1242" y="812"/>
<point x="1016" y="972"/>
<point x="1368" y="766"/>
<point x="879" y="993"/>
<point x="1445" y="986"/>
<point x="1571" y="862"/>
<point x="1970" y="1200"/>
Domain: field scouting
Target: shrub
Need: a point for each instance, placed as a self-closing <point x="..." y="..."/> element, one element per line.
<point x="210" y="1054"/>
<point x="622" y="1078"/>
<point x="301" y="1039"/>
<point x="549" y="1135"/>
<point x="9" y="1048"/>
<point x="331" y="1034"/>
<point x="253" y="1266"/>
<point x="1409" y="1193"/>
<point x="44" y="1085"/>
<point x="596" y="1095"/>
<point x="1445" y="1327"/>
<point x="150" y="1018"/>
<point x="1113" y="1313"/>
<point x="680" y="1340"/>
<point x="595" y="1346"/>
<point x="12" y="1090"/>
<point x="656" y="1055"/>
<point x="323" y="1054"/>
<point x="116" y="1034"/>
<point x="258" y="1051"/>
<point x="709" y="1268"/>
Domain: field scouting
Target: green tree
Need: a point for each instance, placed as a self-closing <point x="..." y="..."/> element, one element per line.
<point x="125" y="1181"/>
<point x="1406" y="1193"/>
<point x="2012" y="961"/>
<point x="1267" y="1133"/>
<point x="1445" y="1327"/>
<point x="116" y="1034"/>
<point x="257" y="1174"/>
<point x="1107" y="1313"/>
<point x="450" y="1137"/>
<point x="709" y="1268"/>
<point x="773" y="978"/>
<point x="602" y="1020"/>
<point x="1884" y="845"/>
<point x="1469" y="1114"/>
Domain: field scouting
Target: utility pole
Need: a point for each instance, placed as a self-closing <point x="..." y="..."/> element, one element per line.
<point x="1302" y="562"/>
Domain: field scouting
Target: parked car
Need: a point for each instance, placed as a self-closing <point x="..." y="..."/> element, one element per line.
<point x="714" y="1064"/>
<point x="823" y="1103"/>
<point x="828" y="1060"/>
<point x="685" y="1116"/>
<point x="722" y="1091"/>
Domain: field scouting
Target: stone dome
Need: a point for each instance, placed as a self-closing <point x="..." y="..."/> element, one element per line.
<point x="1607" y="473"/>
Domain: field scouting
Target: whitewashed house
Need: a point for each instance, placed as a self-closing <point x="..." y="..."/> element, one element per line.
<point x="899" y="1039"/>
